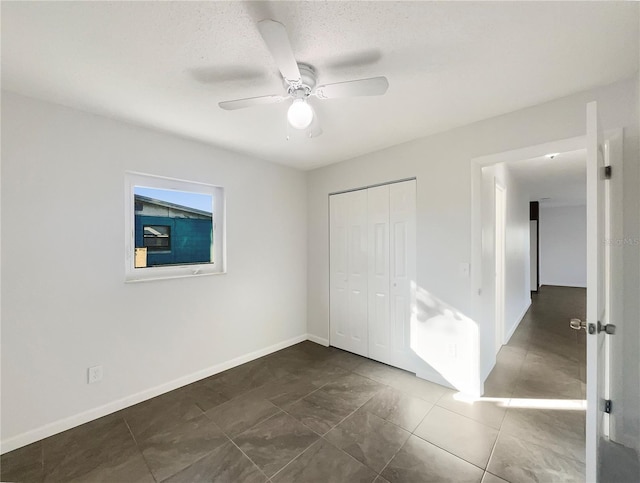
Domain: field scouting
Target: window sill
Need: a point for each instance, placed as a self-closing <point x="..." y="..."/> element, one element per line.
<point x="164" y="273"/>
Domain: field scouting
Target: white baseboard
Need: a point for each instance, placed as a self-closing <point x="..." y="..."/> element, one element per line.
<point x="485" y="371"/>
<point x="563" y="285"/>
<point x="318" y="340"/>
<point x="56" y="427"/>
<point x="515" y="326"/>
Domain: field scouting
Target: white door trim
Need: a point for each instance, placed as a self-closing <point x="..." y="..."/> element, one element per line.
<point x="500" y="229"/>
<point x="487" y="361"/>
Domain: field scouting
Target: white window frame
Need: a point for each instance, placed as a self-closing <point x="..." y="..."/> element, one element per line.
<point x="132" y="274"/>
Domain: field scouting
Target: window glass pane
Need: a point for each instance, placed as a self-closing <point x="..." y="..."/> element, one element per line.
<point x="172" y="227"/>
<point x="156" y="237"/>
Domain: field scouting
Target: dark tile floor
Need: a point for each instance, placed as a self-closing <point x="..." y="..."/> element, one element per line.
<point x="315" y="414"/>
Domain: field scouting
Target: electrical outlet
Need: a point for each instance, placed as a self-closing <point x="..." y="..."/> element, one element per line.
<point x="94" y="374"/>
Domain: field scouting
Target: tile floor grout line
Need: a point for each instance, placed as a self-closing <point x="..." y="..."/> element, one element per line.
<point x="422" y="420"/>
<point x="259" y="422"/>
<point x="240" y="449"/>
<point x="497" y="476"/>
<point x="323" y="436"/>
<point x="540" y="444"/>
<point x="493" y="449"/>
<point x="198" y="460"/>
<point x="401" y="390"/>
<point x="282" y="410"/>
<point x="452" y="454"/>
<point x="360" y="407"/>
<point x="465" y="417"/>
<point x="391" y="422"/>
<point x="394" y="455"/>
<point x="135" y="441"/>
<point x="297" y="456"/>
<point x="350" y="414"/>
<point x="356" y="459"/>
<point x="334" y="426"/>
<point x="248" y="457"/>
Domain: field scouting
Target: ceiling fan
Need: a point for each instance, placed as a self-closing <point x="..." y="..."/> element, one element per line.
<point x="300" y="83"/>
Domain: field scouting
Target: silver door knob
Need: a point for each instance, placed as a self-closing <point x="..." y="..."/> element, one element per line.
<point x="577" y="324"/>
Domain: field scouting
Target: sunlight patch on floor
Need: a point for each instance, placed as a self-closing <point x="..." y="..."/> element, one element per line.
<point x="522" y="403"/>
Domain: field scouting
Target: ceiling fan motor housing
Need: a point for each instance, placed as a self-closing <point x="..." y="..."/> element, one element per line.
<point x="307" y="82"/>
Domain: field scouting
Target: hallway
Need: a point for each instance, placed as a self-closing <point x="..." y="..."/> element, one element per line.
<point x="542" y="374"/>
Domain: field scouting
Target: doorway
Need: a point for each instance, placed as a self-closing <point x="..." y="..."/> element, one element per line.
<point x="484" y="304"/>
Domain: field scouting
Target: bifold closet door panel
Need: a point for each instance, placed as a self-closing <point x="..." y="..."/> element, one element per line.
<point x="402" y="240"/>
<point x="378" y="221"/>
<point x="348" y="271"/>
<point x="338" y="276"/>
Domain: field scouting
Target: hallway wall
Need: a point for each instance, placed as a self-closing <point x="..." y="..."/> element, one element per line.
<point x="517" y="245"/>
<point x="563" y="245"/>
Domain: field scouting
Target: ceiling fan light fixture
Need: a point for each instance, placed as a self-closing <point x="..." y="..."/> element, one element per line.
<point x="300" y="114"/>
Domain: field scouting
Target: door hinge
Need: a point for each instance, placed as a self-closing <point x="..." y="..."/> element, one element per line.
<point x="607" y="172"/>
<point x="607" y="406"/>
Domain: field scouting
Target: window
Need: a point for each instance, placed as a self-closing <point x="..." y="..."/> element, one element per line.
<point x="156" y="237"/>
<point x="173" y="228"/>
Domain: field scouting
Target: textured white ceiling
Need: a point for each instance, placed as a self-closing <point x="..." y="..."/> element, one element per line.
<point x="167" y="64"/>
<point x="554" y="182"/>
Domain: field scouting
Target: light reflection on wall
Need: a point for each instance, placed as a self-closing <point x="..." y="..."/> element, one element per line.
<point x="446" y="343"/>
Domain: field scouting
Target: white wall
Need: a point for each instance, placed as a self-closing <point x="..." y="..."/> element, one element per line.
<point x="65" y="304"/>
<point x="517" y="249"/>
<point x="563" y="245"/>
<point x="441" y="164"/>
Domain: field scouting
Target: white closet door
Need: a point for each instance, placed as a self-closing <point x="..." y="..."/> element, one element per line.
<point x="378" y="221"/>
<point x="339" y="278"/>
<point x="348" y="271"/>
<point x="402" y="218"/>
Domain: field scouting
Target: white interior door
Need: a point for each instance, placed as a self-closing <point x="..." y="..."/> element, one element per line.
<point x="379" y="277"/>
<point x="402" y="266"/>
<point x="499" y="238"/>
<point x="595" y="294"/>
<point x="348" y="271"/>
<point x="614" y="286"/>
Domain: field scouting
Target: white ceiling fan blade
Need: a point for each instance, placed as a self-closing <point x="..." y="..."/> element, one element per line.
<point x="277" y="40"/>
<point x="374" y="86"/>
<point x="250" y="102"/>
